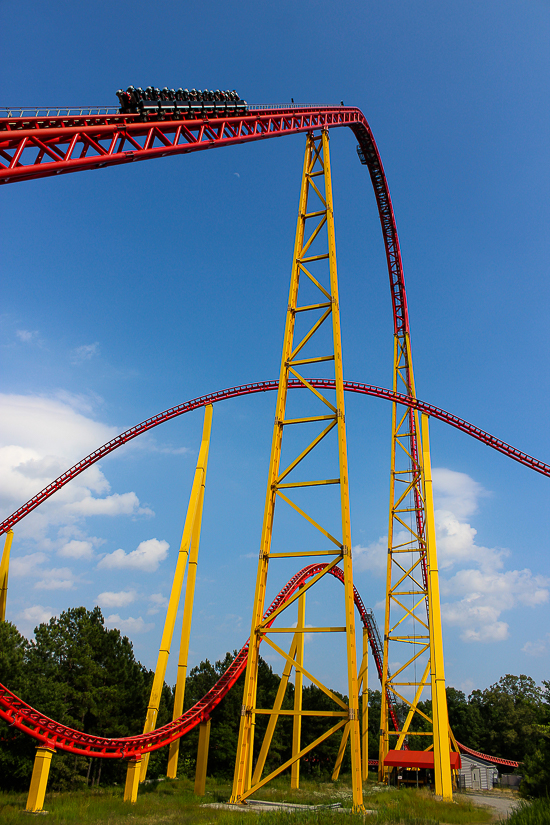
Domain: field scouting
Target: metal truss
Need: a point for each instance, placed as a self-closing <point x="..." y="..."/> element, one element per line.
<point x="36" y="147"/>
<point x="314" y="279"/>
<point x="412" y="630"/>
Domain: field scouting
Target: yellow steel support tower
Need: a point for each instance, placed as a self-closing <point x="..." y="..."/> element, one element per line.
<point x="412" y="631"/>
<point x="4" y="570"/>
<point x="190" y="538"/>
<point x="315" y="215"/>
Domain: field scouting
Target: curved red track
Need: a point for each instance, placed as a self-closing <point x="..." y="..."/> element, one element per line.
<point x="267" y="386"/>
<point x="55" y="735"/>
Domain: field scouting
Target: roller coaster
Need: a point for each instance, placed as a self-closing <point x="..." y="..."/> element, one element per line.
<point x="150" y="124"/>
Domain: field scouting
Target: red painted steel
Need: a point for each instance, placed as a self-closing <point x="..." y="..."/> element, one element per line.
<point x="38" y="147"/>
<point x="52" y="734"/>
<point x="418" y="759"/>
<point x="58" y="736"/>
<point x="267" y="386"/>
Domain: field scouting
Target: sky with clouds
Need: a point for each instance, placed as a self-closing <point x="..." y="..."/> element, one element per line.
<point x="132" y="289"/>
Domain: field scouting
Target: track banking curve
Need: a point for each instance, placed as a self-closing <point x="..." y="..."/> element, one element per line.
<point x="267" y="386"/>
<point x="55" y="735"/>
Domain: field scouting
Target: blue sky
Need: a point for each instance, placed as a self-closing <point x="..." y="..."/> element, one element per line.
<point x="132" y="289"/>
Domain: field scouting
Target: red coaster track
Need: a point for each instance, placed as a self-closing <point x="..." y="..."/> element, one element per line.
<point x="55" y="735"/>
<point x="267" y="386"/>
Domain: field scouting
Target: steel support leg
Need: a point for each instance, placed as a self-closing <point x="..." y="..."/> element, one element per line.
<point x="442" y="757"/>
<point x="132" y="780"/>
<point x="170" y="621"/>
<point x="364" y="681"/>
<point x="202" y="758"/>
<point x="188" y="611"/>
<point x="4" y="570"/>
<point x="39" y="779"/>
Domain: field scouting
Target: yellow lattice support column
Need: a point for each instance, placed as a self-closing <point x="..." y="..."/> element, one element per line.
<point x="315" y="261"/>
<point x="173" y="603"/>
<point x="39" y="779"/>
<point x="4" y="570"/>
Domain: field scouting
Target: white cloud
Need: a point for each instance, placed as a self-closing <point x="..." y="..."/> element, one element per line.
<point x="75" y="549"/>
<point x="373" y="557"/>
<point x="116" y="505"/>
<point x="84" y="353"/>
<point x="146" y="557"/>
<point x="40" y="438"/>
<point x="485" y="596"/>
<point x="26" y="335"/>
<point x="121" y="599"/>
<point x="456" y="544"/>
<point x="473" y="598"/>
<point x="27" y="565"/>
<point x="158" y="601"/>
<point x="57" y="578"/>
<point x="456" y="492"/>
<point x="30" y="617"/>
<point x="538" y="648"/>
<point x="129" y="625"/>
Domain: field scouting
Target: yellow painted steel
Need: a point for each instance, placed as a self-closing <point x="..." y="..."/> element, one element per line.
<point x="289" y="762"/>
<point x="197" y="491"/>
<point x="4" y="570"/>
<point x="364" y="684"/>
<point x="412" y="627"/>
<point x="39" y="779"/>
<point x="441" y="740"/>
<point x="132" y="780"/>
<point x="316" y="187"/>
<point x="298" y="683"/>
<point x="186" y="627"/>
<point x="274" y="714"/>
<point x="340" y="754"/>
<point x="202" y="758"/>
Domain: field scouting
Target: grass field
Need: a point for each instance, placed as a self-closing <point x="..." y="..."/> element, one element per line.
<point x="174" y="802"/>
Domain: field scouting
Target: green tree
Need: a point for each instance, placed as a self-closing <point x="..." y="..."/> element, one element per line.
<point x="16" y="749"/>
<point x="83" y="675"/>
<point x="536" y="766"/>
<point x="509" y="714"/>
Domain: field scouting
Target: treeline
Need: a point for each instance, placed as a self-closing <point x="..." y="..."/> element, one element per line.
<point x="84" y="675"/>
